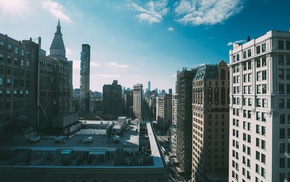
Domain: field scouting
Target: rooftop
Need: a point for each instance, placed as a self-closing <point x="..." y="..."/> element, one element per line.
<point x="91" y="146"/>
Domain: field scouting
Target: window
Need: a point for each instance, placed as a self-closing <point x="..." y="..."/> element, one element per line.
<point x="258" y="63"/>
<point x="8" y="93"/>
<point x="9" y="59"/>
<point x="257" y="169"/>
<point x="281" y="74"/>
<point x="1" y="81"/>
<point x="259" y="89"/>
<point x="259" y="76"/>
<point x="249" y="65"/>
<point x="258" y="129"/>
<point x="281" y="88"/>
<point x="287" y="45"/>
<point x="263" y="158"/>
<point x="16" y="50"/>
<point x="263" y="144"/>
<point x="1" y="57"/>
<point x="22" y="52"/>
<point x="264" y="63"/>
<point x="9" y="47"/>
<point x="244" y="55"/>
<point x="264" y="89"/>
<point x="281" y="60"/>
<point x="263" y="130"/>
<point x="280" y="44"/>
<point x="249" y="53"/>
<point x="282" y="147"/>
<point x="258" y="50"/>
<point x="264" y="103"/>
<point x="264" y="47"/>
<point x="257" y="142"/>
<point x="281" y="104"/>
<point x="264" y="75"/>
<point x="282" y="119"/>
<point x="8" y="81"/>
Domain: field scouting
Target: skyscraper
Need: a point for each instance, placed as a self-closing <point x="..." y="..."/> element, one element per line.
<point x="184" y="121"/>
<point x="210" y="123"/>
<point x="260" y="109"/>
<point x="85" y="80"/>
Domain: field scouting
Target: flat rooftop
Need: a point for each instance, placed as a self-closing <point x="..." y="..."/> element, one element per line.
<point x="72" y="151"/>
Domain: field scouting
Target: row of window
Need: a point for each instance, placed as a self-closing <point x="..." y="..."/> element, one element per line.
<point x="15" y="93"/>
<point x="16" y="62"/>
<point x="16" y="49"/>
<point x="22" y="83"/>
<point x="248" y="53"/>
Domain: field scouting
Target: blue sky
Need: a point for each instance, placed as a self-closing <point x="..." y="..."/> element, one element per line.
<point x="136" y="41"/>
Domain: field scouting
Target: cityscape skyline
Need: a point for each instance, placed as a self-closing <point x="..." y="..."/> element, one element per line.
<point x="155" y="34"/>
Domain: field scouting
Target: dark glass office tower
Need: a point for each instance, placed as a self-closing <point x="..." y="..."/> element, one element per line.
<point x="85" y="80"/>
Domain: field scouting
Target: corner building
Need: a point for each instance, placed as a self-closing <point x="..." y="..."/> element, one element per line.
<point x="210" y="122"/>
<point x="260" y="109"/>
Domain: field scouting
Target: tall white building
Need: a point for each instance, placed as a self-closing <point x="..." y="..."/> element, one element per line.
<point x="260" y="109"/>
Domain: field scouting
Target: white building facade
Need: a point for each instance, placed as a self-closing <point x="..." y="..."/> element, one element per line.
<point x="260" y="109"/>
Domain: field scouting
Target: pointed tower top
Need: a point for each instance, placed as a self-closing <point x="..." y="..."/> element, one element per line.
<point x="57" y="48"/>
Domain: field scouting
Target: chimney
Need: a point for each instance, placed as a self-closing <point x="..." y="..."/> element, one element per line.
<point x="248" y="38"/>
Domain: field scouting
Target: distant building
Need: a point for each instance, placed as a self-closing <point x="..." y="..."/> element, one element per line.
<point x="184" y="121"/>
<point x="112" y="100"/>
<point x="85" y="80"/>
<point x="260" y="109"/>
<point x="128" y="103"/>
<point x="210" y="130"/>
<point x="137" y="100"/>
<point x="150" y="100"/>
<point x="164" y="110"/>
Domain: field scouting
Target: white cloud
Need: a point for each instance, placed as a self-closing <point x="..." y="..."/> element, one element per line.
<point x="208" y="12"/>
<point x="152" y="12"/>
<point x="56" y="10"/>
<point x="118" y="65"/>
<point x="108" y="75"/>
<point x="236" y="42"/>
<point x="92" y="64"/>
<point x="170" y="29"/>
